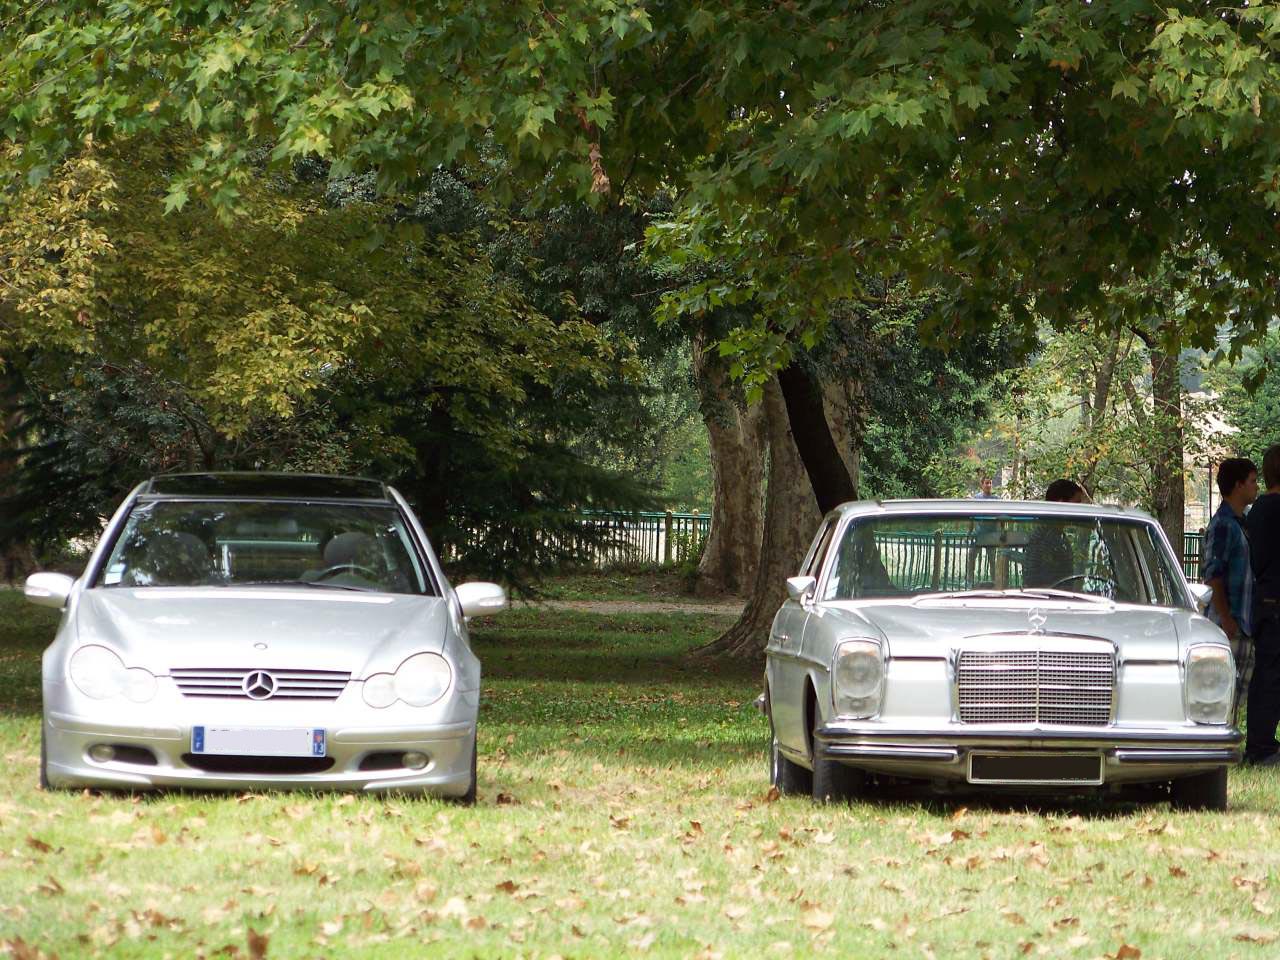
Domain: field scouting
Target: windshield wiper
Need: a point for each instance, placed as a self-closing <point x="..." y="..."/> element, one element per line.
<point x="1050" y="593"/>
<point x="299" y="583"/>
<point x="1039" y="593"/>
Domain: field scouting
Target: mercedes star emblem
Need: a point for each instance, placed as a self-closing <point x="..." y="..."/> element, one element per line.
<point x="259" y="685"/>
<point x="1036" y="618"/>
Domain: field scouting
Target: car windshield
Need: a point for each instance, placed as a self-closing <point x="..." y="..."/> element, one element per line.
<point x="1045" y="555"/>
<point x="182" y="543"/>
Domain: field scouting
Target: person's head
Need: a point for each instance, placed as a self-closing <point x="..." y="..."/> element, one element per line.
<point x="1238" y="480"/>
<point x="1271" y="466"/>
<point x="985" y="483"/>
<point x="1065" y="491"/>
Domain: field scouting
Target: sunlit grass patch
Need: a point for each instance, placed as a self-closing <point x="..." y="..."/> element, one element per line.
<point x="624" y="810"/>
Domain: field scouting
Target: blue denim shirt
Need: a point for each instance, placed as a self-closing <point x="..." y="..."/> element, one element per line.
<point x="1226" y="555"/>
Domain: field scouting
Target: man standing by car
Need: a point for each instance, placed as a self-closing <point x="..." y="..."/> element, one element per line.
<point x="1263" y="525"/>
<point x="1226" y="563"/>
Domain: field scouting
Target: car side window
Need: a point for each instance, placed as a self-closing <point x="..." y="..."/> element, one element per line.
<point x="813" y="565"/>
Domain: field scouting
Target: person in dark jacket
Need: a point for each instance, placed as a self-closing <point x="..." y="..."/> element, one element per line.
<point x="1048" y="560"/>
<point x="1263" y="526"/>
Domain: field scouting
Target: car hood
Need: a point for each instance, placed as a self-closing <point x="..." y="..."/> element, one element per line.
<point x="932" y="628"/>
<point x="165" y="627"/>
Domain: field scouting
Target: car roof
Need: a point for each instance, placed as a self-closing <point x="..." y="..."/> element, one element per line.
<point x="265" y="485"/>
<point x="988" y="507"/>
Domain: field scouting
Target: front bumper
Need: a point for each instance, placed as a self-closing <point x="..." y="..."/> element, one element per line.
<point x="68" y="739"/>
<point x="1127" y="754"/>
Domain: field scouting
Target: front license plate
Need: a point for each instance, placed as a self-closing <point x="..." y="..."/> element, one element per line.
<point x="1082" y="769"/>
<point x="258" y="741"/>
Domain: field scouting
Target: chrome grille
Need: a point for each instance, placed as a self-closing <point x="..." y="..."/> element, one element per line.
<point x="1035" y="686"/>
<point x="290" y="684"/>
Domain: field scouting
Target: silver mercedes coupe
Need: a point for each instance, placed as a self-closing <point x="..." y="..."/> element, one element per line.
<point x="252" y="630"/>
<point x="988" y="645"/>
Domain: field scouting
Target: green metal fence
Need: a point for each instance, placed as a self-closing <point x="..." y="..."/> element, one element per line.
<point x="1192" y="547"/>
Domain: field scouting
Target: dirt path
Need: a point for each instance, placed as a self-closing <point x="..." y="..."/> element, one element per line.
<point x="730" y="608"/>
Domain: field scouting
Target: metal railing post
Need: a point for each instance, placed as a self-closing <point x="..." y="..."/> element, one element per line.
<point x="666" y="543"/>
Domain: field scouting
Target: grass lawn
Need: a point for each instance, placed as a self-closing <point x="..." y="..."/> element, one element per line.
<point x="624" y="810"/>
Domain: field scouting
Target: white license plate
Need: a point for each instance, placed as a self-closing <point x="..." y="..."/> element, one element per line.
<point x="258" y="741"/>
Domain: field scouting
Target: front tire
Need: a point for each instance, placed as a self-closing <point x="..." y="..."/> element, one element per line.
<point x="833" y="782"/>
<point x="44" y="760"/>
<point x="787" y="776"/>
<point x="469" y="798"/>
<point x="1204" y="791"/>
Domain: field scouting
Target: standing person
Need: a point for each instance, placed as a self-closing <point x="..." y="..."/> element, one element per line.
<point x="1263" y="525"/>
<point x="982" y="530"/>
<point x="1226" y="563"/>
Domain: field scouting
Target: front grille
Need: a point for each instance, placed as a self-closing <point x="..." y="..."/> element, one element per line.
<point x="290" y="684"/>
<point x="1036" y="686"/>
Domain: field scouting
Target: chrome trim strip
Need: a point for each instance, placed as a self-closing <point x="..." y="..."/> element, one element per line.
<point x="1175" y="756"/>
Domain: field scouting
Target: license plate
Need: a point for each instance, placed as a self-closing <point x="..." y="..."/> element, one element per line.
<point x="1083" y="769"/>
<point x="258" y="741"/>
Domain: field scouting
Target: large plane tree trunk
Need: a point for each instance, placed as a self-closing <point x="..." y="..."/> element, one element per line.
<point x="16" y="558"/>
<point x="790" y="518"/>
<point x="737" y="436"/>
<point x="833" y="415"/>
<point x="1165" y="429"/>
<point x="1168" y="480"/>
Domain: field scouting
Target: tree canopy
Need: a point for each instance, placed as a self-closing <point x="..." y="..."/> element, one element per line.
<point x="1018" y="156"/>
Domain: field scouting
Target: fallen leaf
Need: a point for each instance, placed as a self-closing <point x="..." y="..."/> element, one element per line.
<point x="1126" y="952"/>
<point x="35" y="843"/>
<point x="1177" y="871"/>
<point x="772" y="795"/>
<point x="1262" y="938"/>
<point x="816" y="919"/>
<point x="507" y="886"/>
<point x="506" y="800"/>
<point x="476" y="923"/>
<point x="51" y="887"/>
<point x="258" y="945"/>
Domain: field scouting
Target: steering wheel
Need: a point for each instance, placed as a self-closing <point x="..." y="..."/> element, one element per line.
<point x="367" y="572"/>
<point x="1082" y="577"/>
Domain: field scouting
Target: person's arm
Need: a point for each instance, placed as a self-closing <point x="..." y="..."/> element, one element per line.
<point x="1223" y="607"/>
<point x="1215" y="571"/>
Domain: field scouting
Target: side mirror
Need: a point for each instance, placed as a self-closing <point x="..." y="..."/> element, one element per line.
<point x="801" y="589"/>
<point x="48" y="589"/>
<point x="1202" y="593"/>
<point x="479" y="599"/>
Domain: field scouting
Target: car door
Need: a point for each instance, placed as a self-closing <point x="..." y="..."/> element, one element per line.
<point x="785" y="667"/>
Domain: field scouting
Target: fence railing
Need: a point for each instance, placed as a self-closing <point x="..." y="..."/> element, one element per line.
<point x="653" y="538"/>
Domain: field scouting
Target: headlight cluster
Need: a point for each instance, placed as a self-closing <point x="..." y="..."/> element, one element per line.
<point x="857" y="678"/>
<point x="99" y="673"/>
<point x="420" y="681"/>
<point x="1210" y="679"/>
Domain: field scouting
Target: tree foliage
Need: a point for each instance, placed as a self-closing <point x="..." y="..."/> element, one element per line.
<point x="1022" y="156"/>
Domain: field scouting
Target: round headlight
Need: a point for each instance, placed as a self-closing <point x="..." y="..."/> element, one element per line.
<point x="139" y="684"/>
<point x="422" y="679"/>
<point x="1211" y="675"/>
<point x="858" y="670"/>
<point x="97" y="672"/>
<point x="380" y="690"/>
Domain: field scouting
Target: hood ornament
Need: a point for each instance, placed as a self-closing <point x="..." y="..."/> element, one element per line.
<point x="1036" y="617"/>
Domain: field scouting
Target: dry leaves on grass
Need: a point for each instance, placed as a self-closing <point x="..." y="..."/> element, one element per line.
<point x="258" y="943"/>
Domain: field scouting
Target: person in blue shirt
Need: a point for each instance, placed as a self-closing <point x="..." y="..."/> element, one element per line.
<point x="1226" y="566"/>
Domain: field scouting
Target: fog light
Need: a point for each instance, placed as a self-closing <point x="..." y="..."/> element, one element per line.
<point x="414" y="760"/>
<point x="102" y="752"/>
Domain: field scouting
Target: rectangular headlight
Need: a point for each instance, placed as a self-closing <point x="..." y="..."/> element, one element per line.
<point x="1210" y="683"/>
<point x="857" y="678"/>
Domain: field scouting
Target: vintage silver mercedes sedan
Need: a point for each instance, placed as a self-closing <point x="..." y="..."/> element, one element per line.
<point x="250" y="630"/>
<point x="998" y="645"/>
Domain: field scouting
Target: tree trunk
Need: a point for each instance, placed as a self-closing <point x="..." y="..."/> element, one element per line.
<point x="790" y="520"/>
<point x="737" y="440"/>
<point x="828" y="475"/>
<point x="1168" y="478"/>
<point x="16" y="558"/>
